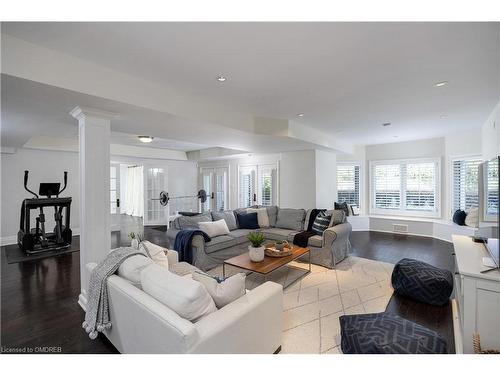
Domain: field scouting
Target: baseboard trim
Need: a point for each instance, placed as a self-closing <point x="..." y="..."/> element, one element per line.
<point x="405" y="234"/>
<point x="82" y="301"/>
<point x="8" y="240"/>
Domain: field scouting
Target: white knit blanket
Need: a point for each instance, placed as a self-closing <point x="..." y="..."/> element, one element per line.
<point x="97" y="313"/>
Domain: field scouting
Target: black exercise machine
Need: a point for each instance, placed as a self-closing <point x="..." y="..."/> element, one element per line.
<point x="35" y="240"/>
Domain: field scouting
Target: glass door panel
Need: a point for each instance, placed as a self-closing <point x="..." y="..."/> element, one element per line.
<point x="155" y="181"/>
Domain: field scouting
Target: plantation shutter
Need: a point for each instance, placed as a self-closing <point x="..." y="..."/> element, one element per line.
<point x="420" y="186"/>
<point x="266" y="184"/>
<point x="247" y="181"/>
<point x="465" y="184"/>
<point x="492" y="188"/>
<point x="348" y="184"/>
<point x="387" y="186"/>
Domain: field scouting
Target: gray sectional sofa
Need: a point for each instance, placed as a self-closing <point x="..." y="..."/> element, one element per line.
<point x="284" y="224"/>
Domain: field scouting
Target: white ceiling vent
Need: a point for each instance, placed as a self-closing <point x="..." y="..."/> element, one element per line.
<point x="400" y="228"/>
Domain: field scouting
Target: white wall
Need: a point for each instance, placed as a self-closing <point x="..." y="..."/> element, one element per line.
<point x="490" y="133"/>
<point x="326" y="179"/>
<point x="44" y="166"/>
<point x="48" y="166"/>
<point x="298" y="179"/>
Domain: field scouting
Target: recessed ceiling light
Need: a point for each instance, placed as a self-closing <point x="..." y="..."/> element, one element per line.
<point x="221" y="79"/>
<point x="145" y="138"/>
<point x="300" y="114"/>
<point x="443" y="116"/>
<point x="386" y="124"/>
<point x="394" y="136"/>
<point x="441" y="84"/>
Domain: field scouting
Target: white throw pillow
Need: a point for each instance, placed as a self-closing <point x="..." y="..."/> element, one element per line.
<point x="131" y="268"/>
<point x="188" y="298"/>
<point x="155" y="252"/>
<point x="214" y="228"/>
<point x="472" y="218"/>
<point x="262" y="216"/>
<point x="223" y="292"/>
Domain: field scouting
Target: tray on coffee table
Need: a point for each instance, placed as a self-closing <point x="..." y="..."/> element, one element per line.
<point x="269" y="264"/>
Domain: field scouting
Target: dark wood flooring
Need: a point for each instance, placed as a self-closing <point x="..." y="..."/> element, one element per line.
<point x="39" y="309"/>
<point x="391" y="248"/>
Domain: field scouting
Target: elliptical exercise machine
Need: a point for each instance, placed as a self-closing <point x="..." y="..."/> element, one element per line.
<point x="35" y="240"/>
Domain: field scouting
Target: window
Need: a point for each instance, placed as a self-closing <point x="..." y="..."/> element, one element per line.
<point x="465" y="186"/>
<point x="492" y="188"/>
<point x="348" y="184"/>
<point x="257" y="185"/>
<point x="247" y="182"/>
<point x="405" y="187"/>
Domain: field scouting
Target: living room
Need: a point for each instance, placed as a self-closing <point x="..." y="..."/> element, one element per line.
<point x="250" y="187"/>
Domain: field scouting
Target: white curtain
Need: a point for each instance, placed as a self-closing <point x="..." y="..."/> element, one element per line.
<point x="134" y="203"/>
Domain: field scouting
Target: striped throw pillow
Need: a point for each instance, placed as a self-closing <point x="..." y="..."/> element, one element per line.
<point x="321" y="222"/>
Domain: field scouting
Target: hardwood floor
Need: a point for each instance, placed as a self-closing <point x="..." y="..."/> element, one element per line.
<point x="391" y="248"/>
<point x="39" y="307"/>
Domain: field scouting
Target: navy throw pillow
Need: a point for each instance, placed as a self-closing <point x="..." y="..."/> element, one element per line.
<point x="459" y="217"/>
<point x="248" y="221"/>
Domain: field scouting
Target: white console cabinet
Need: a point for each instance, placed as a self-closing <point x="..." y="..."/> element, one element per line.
<point x="477" y="296"/>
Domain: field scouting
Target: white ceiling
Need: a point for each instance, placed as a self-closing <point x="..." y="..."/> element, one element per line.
<point x="31" y="109"/>
<point x="348" y="78"/>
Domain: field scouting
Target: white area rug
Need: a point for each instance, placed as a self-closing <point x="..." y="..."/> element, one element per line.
<point x="312" y="305"/>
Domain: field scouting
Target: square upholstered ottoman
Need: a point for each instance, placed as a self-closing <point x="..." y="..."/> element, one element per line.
<point x="387" y="334"/>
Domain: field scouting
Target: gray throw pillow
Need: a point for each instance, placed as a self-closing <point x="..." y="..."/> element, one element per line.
<point x="191" y="222"/>
<point x="338" y="217"/>
<point x="291" y="218"/>
<point x="227" y="216"/>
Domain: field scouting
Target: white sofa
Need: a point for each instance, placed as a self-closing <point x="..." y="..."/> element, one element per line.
<point x="140" y="324"/>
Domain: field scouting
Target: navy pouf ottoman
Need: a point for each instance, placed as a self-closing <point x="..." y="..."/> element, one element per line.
<point x="387" y="334"/>
<point x="422" y="282"/>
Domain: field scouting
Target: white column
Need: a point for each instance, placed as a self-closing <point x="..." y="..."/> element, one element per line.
<point x="95" y="230"/>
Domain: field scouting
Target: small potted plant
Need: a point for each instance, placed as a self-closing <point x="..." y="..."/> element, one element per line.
<point x="256" y="250"/>
<point x="136" y="239"/>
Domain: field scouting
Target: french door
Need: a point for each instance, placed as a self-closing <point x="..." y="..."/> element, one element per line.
<point x="215" y="182"/>
<point x="155" y="181"/>
<point x="257" y="185"/>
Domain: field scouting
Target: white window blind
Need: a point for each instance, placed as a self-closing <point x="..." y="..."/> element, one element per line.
<point x="492" y="188"/>
<point x="465" y="180"/>
<point x="266" y="185"/>
<point x="387" y="186"/>
<point x="246" y="186"/>
<point x="420" y="186"/>
<point x="348" y="184"/>
<point x="405" y="187"/>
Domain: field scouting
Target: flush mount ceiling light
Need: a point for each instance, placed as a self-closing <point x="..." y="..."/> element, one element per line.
<point x="386" y="124"/>
<point x="221" y="79"/>
<point x="300" y="114"/>
<point x="145" y="138"/>
<point x="441" y="84"/>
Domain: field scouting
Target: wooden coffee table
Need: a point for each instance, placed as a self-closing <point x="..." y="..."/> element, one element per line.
<point x="269" y="264"/>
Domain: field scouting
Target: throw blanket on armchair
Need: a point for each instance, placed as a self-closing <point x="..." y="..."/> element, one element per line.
<point x="301" y="238"/>
<point x="97" y="312"/>
<point x="183" y="246"/>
